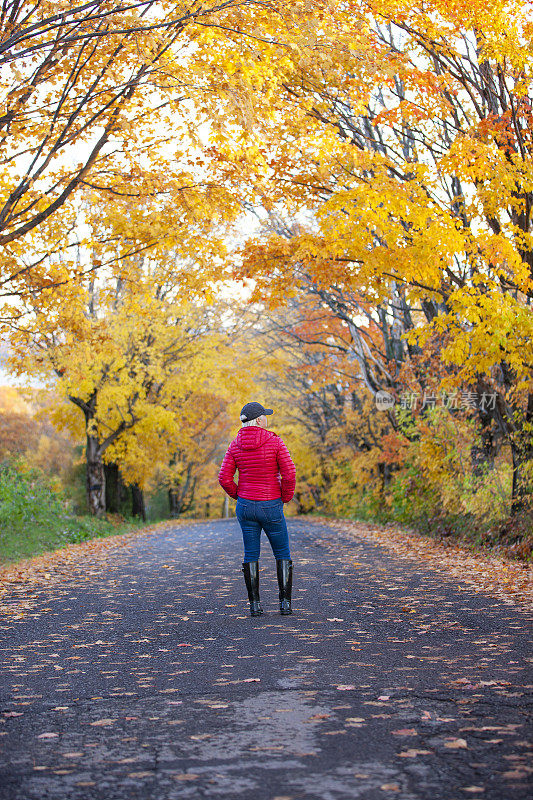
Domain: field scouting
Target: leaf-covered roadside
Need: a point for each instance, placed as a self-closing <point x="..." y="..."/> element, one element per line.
<point x="510" y="581"/>
<point x="79" y="561"/>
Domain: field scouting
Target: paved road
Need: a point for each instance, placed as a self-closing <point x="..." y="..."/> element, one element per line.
<point x="148" y="679"/>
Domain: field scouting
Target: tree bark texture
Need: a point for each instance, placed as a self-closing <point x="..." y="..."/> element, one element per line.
<point x="115" y="490"/>
<point x="138" y="508"/>
<point x="95" y="478"/>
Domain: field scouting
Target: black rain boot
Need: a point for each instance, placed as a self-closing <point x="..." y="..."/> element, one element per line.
<point x="251" y="578"/>
<point x="284" y="570"/>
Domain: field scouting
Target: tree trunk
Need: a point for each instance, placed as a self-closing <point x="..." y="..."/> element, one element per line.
<point x="482" y="454"/>
<point x="225" y="507"/>
<point x="174" y="503"/>
<point x="137" y="502"/>
<point x="177" y="495"/>
<point x="521" y="442"/>
<point x="190" y="488"/>
<point x="95" y="478"/>
<point x="114" y="488"/>
<point x="385" y="474"/>
<point x="521" y="452"/>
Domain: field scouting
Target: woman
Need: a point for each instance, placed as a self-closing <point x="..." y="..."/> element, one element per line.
<point x="267" y="478"/>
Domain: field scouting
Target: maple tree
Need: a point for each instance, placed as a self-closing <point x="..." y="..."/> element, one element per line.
<point x="320" y="411"/>
<point x="409" y="148"/>
<point x="129" y="361"/>
<point x="90" y="92"/>
<point x="102" y="166"/>
<point x="205" y="429"/>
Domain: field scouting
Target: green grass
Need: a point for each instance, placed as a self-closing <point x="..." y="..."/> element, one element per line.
<point x="34" y="518"/>
<point x="34" y="540"/>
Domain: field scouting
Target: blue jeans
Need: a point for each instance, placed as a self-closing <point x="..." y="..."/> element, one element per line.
<point x="267" y="515"/>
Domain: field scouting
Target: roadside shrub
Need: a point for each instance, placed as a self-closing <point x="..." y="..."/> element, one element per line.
<point x="35" y="515"/>
<point x="27" y="499"/>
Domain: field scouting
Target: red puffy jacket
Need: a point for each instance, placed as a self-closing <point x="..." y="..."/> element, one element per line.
<point x="266" y="469"/>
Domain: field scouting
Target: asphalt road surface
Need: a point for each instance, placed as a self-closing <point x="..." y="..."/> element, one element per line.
<point x="145" y="677"/>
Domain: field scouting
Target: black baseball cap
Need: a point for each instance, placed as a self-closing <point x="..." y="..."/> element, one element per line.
<point x="253" y="410"/>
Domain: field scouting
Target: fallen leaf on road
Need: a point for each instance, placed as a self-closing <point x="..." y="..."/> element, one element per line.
<point x="405" y="732"/>
<point x="520" y="772"/>
<point x="456" y="744"/>
<point x="413" y="753"/>
<point x="510" y="581"/>
<point x="185" y="776"/>
<point x="103" y="722"/>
